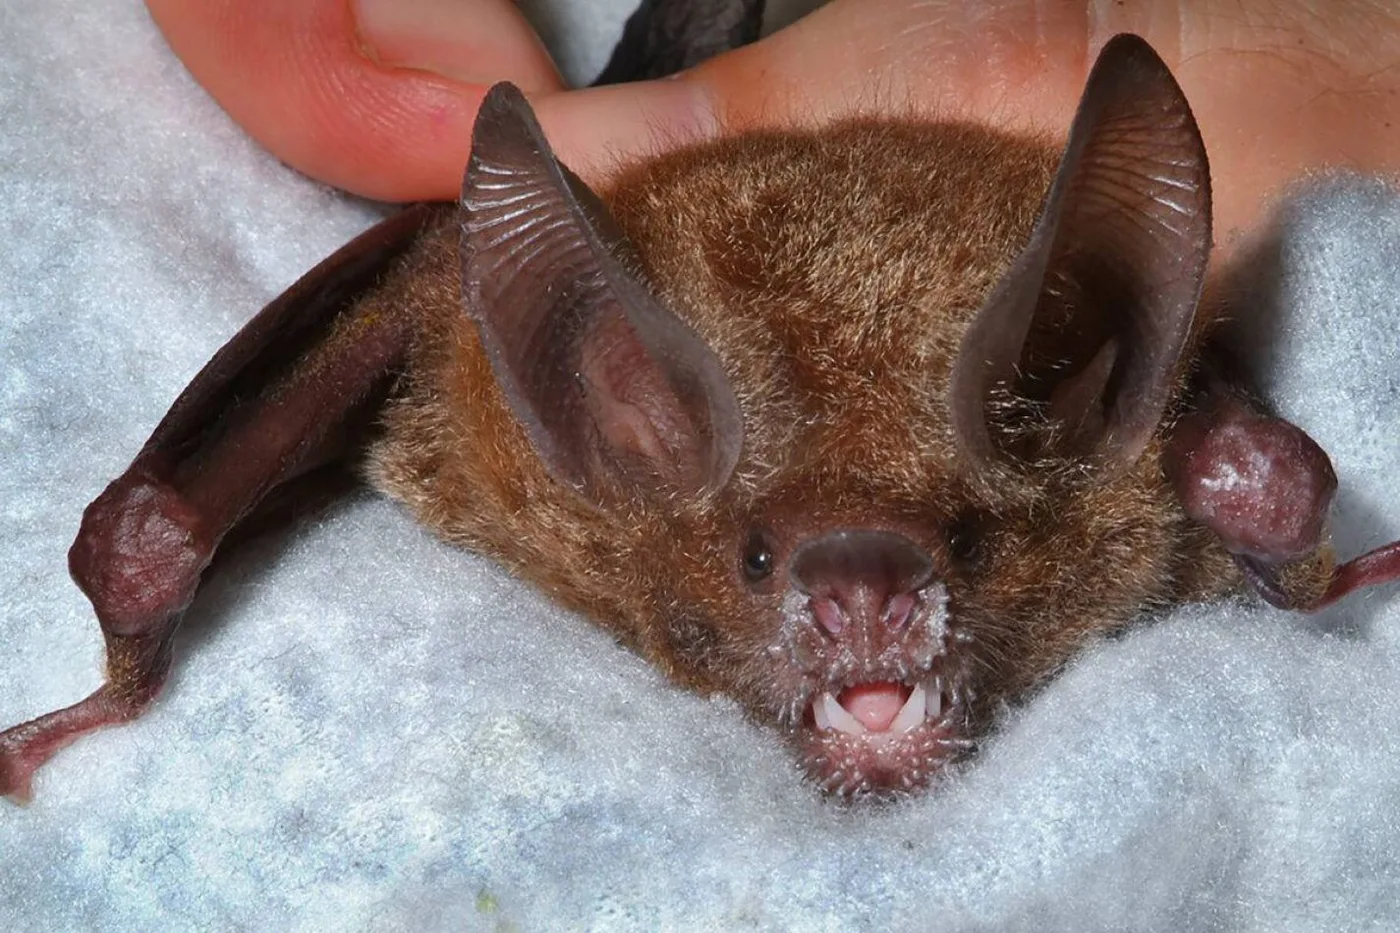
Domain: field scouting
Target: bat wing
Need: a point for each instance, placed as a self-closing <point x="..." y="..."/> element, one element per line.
<point x="292" y="391"/>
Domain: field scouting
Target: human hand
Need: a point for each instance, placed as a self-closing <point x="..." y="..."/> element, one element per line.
<point x="379" y="98"/>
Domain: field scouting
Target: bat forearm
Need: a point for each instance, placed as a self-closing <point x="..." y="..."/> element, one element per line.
<point x="290" y="393"/>
<point x="147" y="539"/>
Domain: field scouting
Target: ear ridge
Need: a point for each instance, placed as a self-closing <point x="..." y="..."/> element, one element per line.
<point x="1122" y="244"/>
<point x="615" y="392"/>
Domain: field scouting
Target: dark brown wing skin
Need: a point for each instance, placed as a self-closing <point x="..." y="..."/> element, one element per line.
<point x="289" y="393"/>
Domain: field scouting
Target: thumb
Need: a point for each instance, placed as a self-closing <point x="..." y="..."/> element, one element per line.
<point x="375" y="96"/>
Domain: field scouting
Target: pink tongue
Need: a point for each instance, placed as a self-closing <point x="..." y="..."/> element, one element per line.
<point x="874" y="705"/>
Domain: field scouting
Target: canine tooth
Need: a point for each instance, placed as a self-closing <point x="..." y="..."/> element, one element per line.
<point x="933" y="702"/>
<point x="819" y="713"/>
<point x="911" y="714"/>
<point x="840" y="718"/>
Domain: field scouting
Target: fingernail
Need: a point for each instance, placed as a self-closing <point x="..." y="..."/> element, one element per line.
<point x="455" y="39"/>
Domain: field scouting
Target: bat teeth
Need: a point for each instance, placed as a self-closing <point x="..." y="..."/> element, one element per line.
<point x="911" y="714"/>
<point x="836" y="716"/>
<point x="933" y="699"/>
<point x="819" y="713"/>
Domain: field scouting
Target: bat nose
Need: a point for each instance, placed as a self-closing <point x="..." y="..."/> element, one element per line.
<point x="860" y="577"/>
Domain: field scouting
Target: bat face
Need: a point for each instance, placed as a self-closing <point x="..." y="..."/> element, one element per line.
<point x="865" y="589"/>
<point x="775" y="499"/>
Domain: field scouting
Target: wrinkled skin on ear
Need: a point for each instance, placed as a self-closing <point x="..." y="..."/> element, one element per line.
<point x="1093" y="316"/>
<point x="618" y="396"/>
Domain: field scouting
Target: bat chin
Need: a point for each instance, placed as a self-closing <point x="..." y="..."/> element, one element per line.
<point x="879" y="738"/>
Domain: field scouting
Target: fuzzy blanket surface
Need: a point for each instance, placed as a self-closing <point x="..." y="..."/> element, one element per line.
<point x="368" y="730"/>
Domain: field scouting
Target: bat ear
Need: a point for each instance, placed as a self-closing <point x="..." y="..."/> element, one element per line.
<point x="1092" y="317"/>
<point x="618" y="396"/>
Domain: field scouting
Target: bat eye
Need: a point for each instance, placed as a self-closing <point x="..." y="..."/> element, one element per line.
<point x="758" y="560"/>
<point x="965" y="539"/>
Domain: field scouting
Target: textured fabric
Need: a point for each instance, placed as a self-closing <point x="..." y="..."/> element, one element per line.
<point x="367" y="730"/>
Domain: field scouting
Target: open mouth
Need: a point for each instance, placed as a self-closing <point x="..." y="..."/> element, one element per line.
<point x="873" y="708"/>
<point x="881" y="735"/>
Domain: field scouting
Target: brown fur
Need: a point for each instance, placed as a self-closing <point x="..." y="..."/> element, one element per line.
<point x="833" y="274"/>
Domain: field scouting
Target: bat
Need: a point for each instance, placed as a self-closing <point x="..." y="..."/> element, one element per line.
<point x="869" y="427"/>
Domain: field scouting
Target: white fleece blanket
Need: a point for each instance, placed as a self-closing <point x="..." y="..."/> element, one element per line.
<point x="367" y="730"/>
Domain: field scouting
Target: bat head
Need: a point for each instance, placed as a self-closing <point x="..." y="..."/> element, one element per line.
<point x="862" y="424"/>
